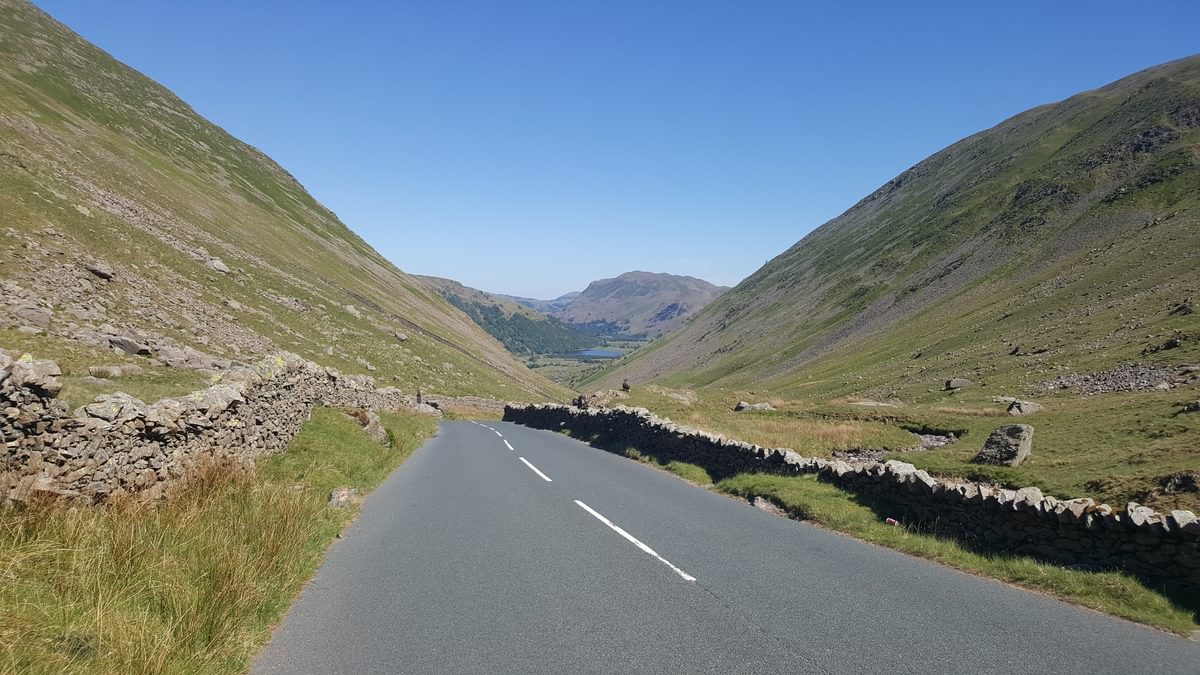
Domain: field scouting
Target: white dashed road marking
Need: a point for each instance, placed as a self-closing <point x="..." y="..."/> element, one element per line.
<point x="630" y="537"/>
<point x="509" y="446"/>
<point x="536" y="470"/>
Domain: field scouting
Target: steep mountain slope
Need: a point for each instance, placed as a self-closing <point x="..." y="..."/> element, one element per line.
<point x="1063" y="238"/>
<point x="543" y="306"/>
<point x="639" y="303"/>
<point x="522" y="330"/>
<point x="199" y="244"/>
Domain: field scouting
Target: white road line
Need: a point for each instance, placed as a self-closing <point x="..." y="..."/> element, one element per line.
<point x="632" y="539"/>
<point x="498" y="433"/>
<point x="509" y="446"/>
<point x="536" y="470"/>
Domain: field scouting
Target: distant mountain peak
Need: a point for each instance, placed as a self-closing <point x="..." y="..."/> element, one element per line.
<point x="638" y="303"/>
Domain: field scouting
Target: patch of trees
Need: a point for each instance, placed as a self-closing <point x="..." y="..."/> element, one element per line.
<point x="524" y="336"/>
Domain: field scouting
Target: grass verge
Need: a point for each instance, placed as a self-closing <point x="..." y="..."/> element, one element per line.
<point x="1114" y="593"/>
<point x="195" y="583"/>
<point x="689" y="472"/>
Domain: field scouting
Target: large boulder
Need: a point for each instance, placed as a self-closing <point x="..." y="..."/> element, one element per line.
<point x="128" y="345"/>
<point x="1008" y="445"/>
<point x="100" y="269"/>
<point x="1018" y="408"/>
<point x="40" y="377"/>
<point x="375" y="430"/>
<point x="217" y="265"/>
<point x="956" y="383"/>
<point x="742" y="406"/>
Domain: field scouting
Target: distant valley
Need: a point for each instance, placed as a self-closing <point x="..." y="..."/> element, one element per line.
<point x="620" y="314"/>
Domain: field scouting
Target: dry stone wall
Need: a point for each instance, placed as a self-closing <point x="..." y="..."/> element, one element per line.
<point x="1080" y="532"/>
<point x="119" y="444"/>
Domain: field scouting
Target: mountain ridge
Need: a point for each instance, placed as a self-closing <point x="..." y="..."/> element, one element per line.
<point x="981" y="218"/>
<point x="209" y="245"/>
<point x="639" y="304"/>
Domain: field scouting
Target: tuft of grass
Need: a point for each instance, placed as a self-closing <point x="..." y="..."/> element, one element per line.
<point x="806" y="498"/>
<point x="192" y="584"/>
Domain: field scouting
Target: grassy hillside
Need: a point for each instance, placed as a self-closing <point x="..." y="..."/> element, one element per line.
<point x="638" y="304"/>
<point x="520" y="329"/>
<point x="210" y="244"/>
<point x="1034" y="259"/>
<point x="1069" y="228"/>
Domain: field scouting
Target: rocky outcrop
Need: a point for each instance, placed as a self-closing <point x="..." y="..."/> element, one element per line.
<point x="1008" y="445"/>
<point x="119" y="444"/>
<point x="1072" y="532"/>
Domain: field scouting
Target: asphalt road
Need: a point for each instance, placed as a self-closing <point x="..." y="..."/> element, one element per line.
<point x="467" y="560"/>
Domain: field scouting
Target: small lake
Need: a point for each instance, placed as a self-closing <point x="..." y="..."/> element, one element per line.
<point x="594" y="354"/>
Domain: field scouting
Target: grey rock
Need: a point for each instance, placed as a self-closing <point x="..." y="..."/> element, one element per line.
<point x="33" y="315"/>
<point x="1008" y="445"/>
<point x="1020" y="408"/>
<point x="426" y="409"/>
<point x="216" y="399"/>
<point x="40" y="377"/>
<point x="1182" y="519"/>
<point x="167" y="413"/>
<point x="1079" y="507"/>
<point x="957" y="383"/>
<point x="1137" y="515"/>
<point x="128" y="345"/>
<point x="216" y="265"/>
<point x="100" y="269"/>
<point x="400" y="336"/>
<point x="1029" y="496"/>
<point x="186" y="358"/>
<point x="744" y="406"/>
<point x="116" y="407"/>
<point x="343" y="497"/>
<point x="375" y="429"/>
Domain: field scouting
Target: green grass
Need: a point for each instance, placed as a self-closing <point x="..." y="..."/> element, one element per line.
<point x="195" y="583"/>
<point x="807" y="498"/>
<point x="109" y="127"/>
<point x="1110" y="447"/>
<point x="689" y="472"/>
<point x="900" y="293"/>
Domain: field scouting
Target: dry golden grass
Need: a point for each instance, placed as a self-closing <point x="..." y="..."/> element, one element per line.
<point x="191" y="584"/>
<point x="972" y="412"/>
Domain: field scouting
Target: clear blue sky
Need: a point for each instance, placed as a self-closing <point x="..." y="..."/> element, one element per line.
<point x="531" y="147"/>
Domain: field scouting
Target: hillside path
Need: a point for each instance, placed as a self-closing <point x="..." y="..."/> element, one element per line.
<point x="468" y="560"/>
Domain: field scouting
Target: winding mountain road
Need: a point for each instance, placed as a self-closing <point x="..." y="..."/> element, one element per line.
<point x="501" y="549"/>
